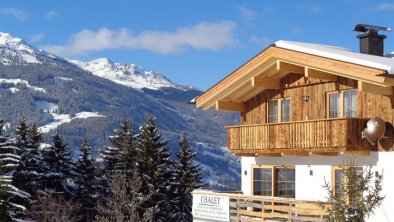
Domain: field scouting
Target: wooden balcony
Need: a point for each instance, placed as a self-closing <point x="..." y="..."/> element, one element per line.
<point x="259" y="208"/>
<point x="323" y="137"/>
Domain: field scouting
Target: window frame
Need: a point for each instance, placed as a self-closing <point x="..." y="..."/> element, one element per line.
<point x="333" y="181"/>
<point x="341" y="103"/>
<point x="279" y="117"/>
<point x="273" y="178"/>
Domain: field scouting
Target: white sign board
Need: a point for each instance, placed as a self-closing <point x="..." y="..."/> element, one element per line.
<point x="211" y="208"/>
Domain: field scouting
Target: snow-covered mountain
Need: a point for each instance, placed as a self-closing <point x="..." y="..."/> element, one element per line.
<point x="17" y="50"/>
<point x="128" y="74"/>
<point x="91" y="99"/>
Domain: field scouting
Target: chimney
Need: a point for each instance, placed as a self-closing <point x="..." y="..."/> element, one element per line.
<point x="371" y="42"/>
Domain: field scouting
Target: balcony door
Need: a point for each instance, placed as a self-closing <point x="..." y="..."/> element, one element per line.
<point x="342" y="104"/>
<point x="278" y="110"/>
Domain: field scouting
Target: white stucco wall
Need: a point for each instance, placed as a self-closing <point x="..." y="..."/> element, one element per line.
<point x="309" y="187"/>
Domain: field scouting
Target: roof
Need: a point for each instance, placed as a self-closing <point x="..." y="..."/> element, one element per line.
<point x="339" y="53"/>
<point x="322" y="62"/>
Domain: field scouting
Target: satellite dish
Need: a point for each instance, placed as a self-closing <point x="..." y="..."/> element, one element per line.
<point x="376" y="127"/>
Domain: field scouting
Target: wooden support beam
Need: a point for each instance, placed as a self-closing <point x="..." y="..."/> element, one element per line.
<point x="325" y="153"/>
<point x="317" y="74"/>
<point x="375" y="89"/>
<point x="230" y="106"/>
<point x="269" y="154"/>
<point x="358" y="153"/>
<point x="284" y="66"/>
<point x="258" y="81"/>
<point x="296" y="153"/>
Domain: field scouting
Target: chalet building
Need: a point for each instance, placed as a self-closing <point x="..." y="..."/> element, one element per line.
<point x="303" y="108"/>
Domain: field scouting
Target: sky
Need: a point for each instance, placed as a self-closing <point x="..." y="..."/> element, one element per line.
<point x="191" y="42"/>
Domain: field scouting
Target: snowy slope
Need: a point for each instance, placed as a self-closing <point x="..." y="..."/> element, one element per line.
<point x="15" y="50"/>
<point x="128" y="74"/>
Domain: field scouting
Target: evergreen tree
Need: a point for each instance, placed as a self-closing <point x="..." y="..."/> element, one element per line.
<point x="188" y="176"/>
<point x="118" y="157"/>
<point x="126" y="143"/>
<point x="21" y="135"/>
<point x="9" y="152"/>
<point x="9" y="210"/>
<point x="58" y="167"/>
<point x="9" y="160"/>
<point x="28" y="175"/>
<point x="156" y="170"/>
<point x="86" y="183"/>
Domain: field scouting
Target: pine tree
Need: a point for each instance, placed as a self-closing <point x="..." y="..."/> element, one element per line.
<point x="118" y="157"/>
<point x="188" y="176"/>
<point x="86" y="183"/>
<point x="9" y="152"/>
<point x="9" y="160"/>
<point x="156" y="170"/>
<point x="28" y="175"/>
<point x="122" y="154"/>
<point x="58" y="167"/>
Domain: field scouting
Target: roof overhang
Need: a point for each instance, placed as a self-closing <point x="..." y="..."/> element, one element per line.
<point x="265" y="70"/>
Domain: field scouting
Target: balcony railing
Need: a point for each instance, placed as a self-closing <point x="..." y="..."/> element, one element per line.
<point x="327" y="135"/>
<point x="258" y="208"/>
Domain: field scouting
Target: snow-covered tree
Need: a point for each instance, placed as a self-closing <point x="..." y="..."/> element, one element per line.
<point x="58" y="167"/>
<point x="118" y="157"/>
<point x="155" y="167"/>
<point x="9" y="160"/>
<point x="9" y="152"/>
<point x="28" y="175"/>
<point x="126" y="144"/>
<point x="188" y="176"/>
<point x="86" y="183"/>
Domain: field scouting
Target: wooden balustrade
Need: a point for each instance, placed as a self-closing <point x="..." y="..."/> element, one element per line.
<point x="258" y="208"/>
<point x="320" y="136"/>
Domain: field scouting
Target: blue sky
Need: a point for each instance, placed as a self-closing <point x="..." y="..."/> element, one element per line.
<point x="191" y="42"/>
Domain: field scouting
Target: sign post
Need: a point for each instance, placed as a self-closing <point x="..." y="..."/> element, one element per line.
<point x="210" y="208"/>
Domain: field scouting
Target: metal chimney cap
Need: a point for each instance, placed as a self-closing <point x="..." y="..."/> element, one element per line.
<point x="370" y="28"/>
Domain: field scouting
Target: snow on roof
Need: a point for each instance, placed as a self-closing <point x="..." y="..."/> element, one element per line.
<point x="339" y="53"/>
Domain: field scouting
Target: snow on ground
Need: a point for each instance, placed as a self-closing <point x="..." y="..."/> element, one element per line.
<point x="60" y="119"/>
<point x="62" y="79"/>
<point x="46" y="107"/>
<point x="17" y="82"/>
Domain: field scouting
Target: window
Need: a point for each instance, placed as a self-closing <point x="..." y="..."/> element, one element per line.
<point x="350" y="103"/>
<point x="334" y="105"/>
<point x="285" y="107"/>
<point x="262" y="181"/>
<point x="342" y="104"/>
<point x="278" y="110"/>
<point x="340" y="180"/>
<point x="273" y="111"/>
<point x="274" y="181"/>
<point x="285" y="182"/>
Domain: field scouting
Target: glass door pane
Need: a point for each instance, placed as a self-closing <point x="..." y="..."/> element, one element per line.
<point x="285" y="110"/>
<point x="273" y="111"/>
<point x="350" y="103"/>
<point x="334" y="105"/>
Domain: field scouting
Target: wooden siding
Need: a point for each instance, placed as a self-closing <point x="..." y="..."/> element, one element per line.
<point x="295" y="86"/>
<point x="327" y="135"/>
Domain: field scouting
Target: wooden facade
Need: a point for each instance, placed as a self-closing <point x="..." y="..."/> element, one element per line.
<point x="277" y="74"/>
